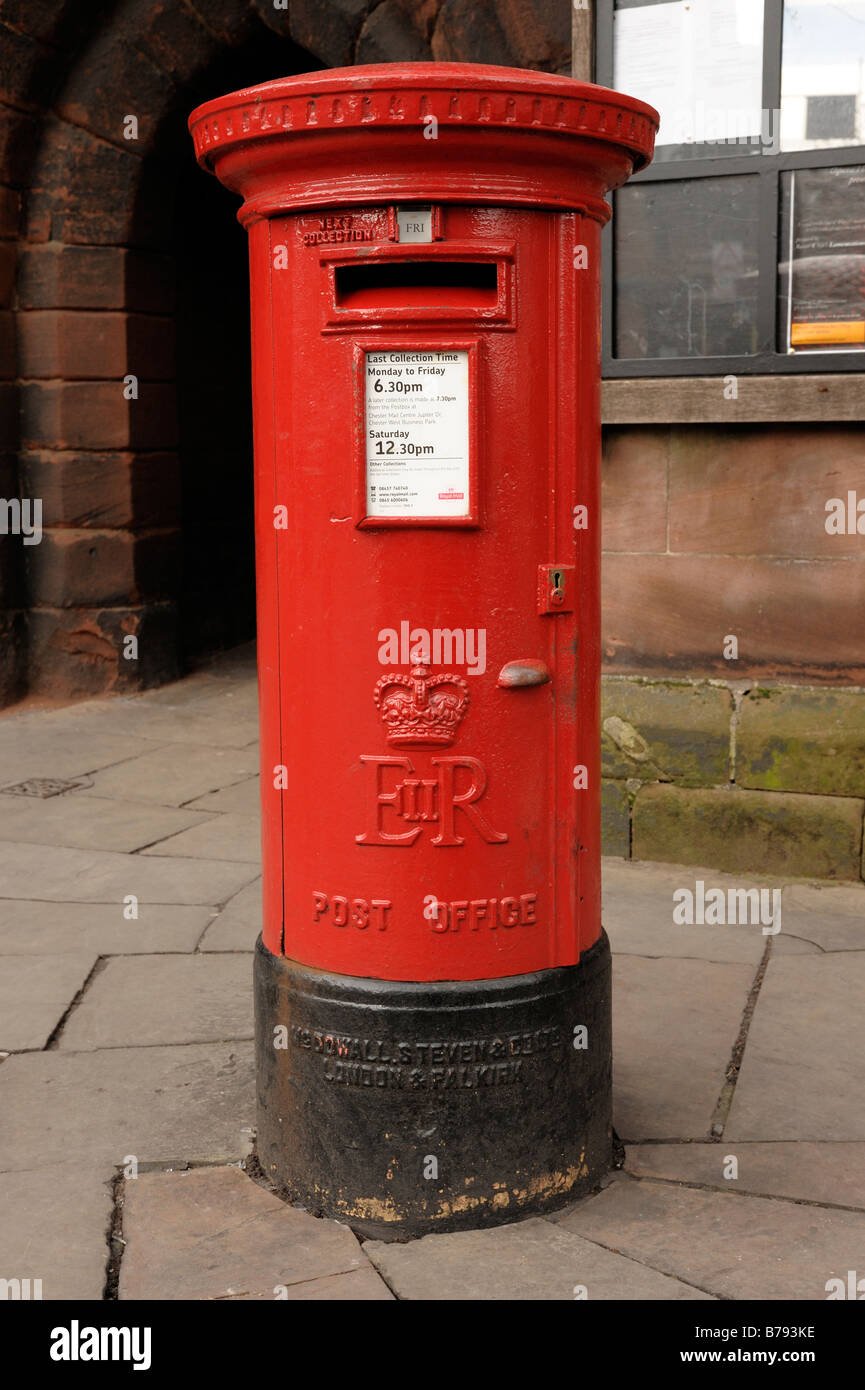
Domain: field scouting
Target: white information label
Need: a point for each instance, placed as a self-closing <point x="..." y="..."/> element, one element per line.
<point x="415" y="224"/>
<point x="417" y="433"/>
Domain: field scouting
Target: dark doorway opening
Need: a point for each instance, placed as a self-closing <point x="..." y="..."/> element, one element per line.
<point x="216" y="602"/>
<point x="214" y="421"/>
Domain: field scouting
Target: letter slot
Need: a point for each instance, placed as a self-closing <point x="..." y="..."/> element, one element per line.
<point x="416" y="284"/>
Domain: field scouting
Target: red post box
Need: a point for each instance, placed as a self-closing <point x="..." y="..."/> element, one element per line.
<point x="432" y="982"/>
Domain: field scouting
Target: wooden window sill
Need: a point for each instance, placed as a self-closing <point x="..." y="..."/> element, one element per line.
<point x="701" y="400"/>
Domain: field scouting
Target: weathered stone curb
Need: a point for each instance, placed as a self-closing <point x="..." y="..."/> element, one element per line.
<point x="734" y="775"/>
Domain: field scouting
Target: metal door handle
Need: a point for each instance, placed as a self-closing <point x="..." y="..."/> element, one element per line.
<point x="524" y="672"/>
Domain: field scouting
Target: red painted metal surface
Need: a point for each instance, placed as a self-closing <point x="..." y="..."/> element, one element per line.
<point x="425" y="818"/>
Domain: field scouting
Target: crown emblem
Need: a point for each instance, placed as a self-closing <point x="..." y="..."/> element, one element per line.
<point x="421" y="709"/>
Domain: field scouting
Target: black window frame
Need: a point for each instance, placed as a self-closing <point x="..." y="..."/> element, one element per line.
<point x="768" y="168"/>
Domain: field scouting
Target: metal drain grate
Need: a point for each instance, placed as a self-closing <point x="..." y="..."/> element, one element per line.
<point x="45" y="786"/>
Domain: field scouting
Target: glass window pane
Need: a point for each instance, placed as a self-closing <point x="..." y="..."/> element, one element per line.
<point x="700" y="63"/>
<point x="823" y="74"/>
<point x="821" y="275"/>
<point x="686" y="268"/>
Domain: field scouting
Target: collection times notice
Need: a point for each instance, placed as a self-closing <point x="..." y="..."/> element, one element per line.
<point x="417" y="433"/>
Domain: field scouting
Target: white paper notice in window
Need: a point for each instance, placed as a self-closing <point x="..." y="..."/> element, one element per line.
<point x="417" y="433"/>
<point x="700" y="63"/>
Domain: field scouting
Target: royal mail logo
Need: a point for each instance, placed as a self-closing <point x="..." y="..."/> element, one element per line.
<point x="423" y="711"/>
<point x="446" y="801"/>
<point x="420" y="709"/>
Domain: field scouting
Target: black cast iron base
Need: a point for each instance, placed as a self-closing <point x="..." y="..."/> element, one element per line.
<point x="408" y="1108"/>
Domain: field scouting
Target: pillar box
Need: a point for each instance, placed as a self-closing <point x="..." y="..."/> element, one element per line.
<point x="432" y="982"/>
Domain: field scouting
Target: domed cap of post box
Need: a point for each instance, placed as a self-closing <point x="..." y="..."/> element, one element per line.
<point x="415" y="132"/>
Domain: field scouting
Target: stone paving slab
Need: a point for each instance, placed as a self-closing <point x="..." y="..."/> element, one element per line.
<point x="640" y="937"/>
<point x="638" y="915"/>
<point x="238" y="924"/>
<point x="229" y="682"/>
<point x="35" y="992"/>
<point x="213" y="714"/>
<point x="90" y="822"/>
<point x="833" y="918"/>
<point x="158" y="1103"/>
<point x="217" y="719"/>
<point x="529" y="1260"/>
<point x="46" y="873"/>
<point x="227" y="837"/>
<point x="730" y="1245"/>
<point x="98" y="929"/>
<point x="831" y="1173"/>
<point x="829" y="932"/>
<point x="802" y="1076"/>
<point x="674" y="1026"/>
<point x="55" y="1228"/>
<point x="213" y="1233"/>
<point x="360" y="1286"/>
<point x="45" y="744"/>
<point x="139" y="1001"/>
<point x="174" y="774"/>
<point x="817" y="898"/>
<point x="244" y="798"/>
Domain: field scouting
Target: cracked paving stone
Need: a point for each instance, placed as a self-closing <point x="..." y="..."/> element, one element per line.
<point x="91" y="822"/>
<point x="528" y="1260"/>
<point x="238" y="924"/>
<point x="139" y="1001"/>
<point x="174" y="775"/>
<point x="831" y="932"/>
<point x="35" y="992"/>
<point x="77" y="875"/>
<point x="212" y="1233"/>
<point x="219" y="718"/>
<point x="734" y="1246"/>
<point x="831" y="917"/>
<point x="100" y="929"/>
<point x="157" y="1103"/>
<point x="55" y="1228"/>
<point x="50" y="744"/>
<point x="807" y="1172"/>
<point x="243" y="798"/>
<point x="219" y="838"/>
<point x="220" y="687"/>
<point x="842" y="898"/>
<point x="674" y="1026"/>
<point x="802" y="1075"/>
<point x="638" y="914"/>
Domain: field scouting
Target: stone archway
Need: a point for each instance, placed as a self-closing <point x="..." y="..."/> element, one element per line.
<point x="132" y="403"/>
